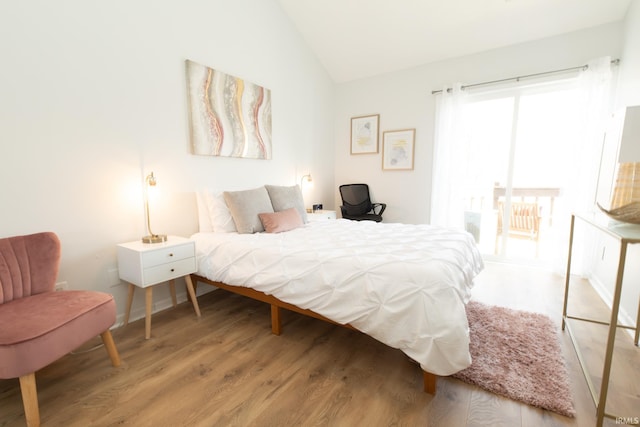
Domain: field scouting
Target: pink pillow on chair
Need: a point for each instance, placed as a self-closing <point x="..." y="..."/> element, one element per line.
<point x="277" y="222"/>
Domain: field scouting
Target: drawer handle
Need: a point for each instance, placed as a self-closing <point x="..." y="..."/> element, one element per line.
<point x="170" y="254"/>
<point x="173" y="269"/>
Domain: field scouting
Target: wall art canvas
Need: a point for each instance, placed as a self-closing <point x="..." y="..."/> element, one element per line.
<point x="364" y="134"/>
<point x="398" y="147"/>
<point x="228" y="116"/>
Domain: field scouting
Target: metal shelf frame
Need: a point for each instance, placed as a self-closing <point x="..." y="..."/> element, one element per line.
<point x="625" y="234"/>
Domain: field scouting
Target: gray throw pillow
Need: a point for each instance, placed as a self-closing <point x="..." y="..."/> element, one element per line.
<point x="245" y="206"/>
<point x="283" y="198"/>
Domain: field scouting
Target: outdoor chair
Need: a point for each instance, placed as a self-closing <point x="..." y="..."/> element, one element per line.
<point x="524" y="221"/>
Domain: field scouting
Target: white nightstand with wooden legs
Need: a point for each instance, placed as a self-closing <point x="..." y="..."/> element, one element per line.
<point x="321" y="215"/>
<point x="147" y="264"/>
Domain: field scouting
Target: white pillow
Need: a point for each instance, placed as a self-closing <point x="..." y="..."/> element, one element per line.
<point x="217" y="212"/>
<point x="220" y="215"/>
<point x="204" y="217"/>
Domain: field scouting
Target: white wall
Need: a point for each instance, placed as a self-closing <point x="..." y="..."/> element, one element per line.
<point x="629" y="92"/>
<point x="403" y="100"/>
<point x="93" y="97"/>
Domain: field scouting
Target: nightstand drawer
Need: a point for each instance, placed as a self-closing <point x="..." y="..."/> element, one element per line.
<point x="168" y="271"/>
<point x="165" y="255"/>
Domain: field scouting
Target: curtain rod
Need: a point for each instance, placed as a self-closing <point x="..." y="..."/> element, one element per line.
<point x="518" y="78"/>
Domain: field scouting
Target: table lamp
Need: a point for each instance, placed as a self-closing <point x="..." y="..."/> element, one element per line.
<point x="306" y="179"/>
<point x="149" y="182"/>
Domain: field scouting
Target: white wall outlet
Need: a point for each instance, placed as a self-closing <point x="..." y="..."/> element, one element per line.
<point x="113" y="277"/>
<point x="62" y="286"/>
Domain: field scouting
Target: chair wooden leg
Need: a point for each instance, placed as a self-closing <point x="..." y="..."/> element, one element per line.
<point x="30" y="399"/>
<point x="107" y="339"/>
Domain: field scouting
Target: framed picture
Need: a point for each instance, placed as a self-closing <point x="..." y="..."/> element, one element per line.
<point x="398" y="147"/>
<point x="364" y="134"/>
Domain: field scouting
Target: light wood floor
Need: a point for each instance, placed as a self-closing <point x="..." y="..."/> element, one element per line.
<point x="227" y="369"/>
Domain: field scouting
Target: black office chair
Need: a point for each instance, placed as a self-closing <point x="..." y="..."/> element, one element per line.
<point x="357" y="205"/>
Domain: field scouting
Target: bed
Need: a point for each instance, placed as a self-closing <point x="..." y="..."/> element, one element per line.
<point x="404" y="285"/>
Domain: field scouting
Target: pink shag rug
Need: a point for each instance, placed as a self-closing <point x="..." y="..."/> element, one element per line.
<point x="517" y="354"/>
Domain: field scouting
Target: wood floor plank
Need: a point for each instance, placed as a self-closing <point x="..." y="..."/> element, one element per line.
<point x="227" y="369"/>
<point x="450" y="406"/>
<point x="487" y="409"/>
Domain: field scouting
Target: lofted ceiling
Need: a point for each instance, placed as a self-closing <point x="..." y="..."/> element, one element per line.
<point x="354" y="39"/>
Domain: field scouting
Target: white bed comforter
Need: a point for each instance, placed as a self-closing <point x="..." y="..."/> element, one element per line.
<point x="405" y="285"/>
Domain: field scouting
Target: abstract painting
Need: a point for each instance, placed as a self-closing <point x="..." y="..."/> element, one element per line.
<point x="228" y="116"/>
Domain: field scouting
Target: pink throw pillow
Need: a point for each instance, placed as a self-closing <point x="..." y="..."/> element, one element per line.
<point x="277" y="222"/>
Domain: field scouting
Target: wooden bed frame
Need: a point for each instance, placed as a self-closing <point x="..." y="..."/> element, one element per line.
<point x="429" y="379"/>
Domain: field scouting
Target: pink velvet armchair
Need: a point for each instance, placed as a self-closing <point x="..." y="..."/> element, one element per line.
<point x="38" y="324"/>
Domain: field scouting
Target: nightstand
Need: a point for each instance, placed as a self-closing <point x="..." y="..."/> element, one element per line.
<point x="147" y="264"/>
<point x="323" y="215"/>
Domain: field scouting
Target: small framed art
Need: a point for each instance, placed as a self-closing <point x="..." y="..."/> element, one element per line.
<point x="398" y="147"/>
<point x="364" y="134"/>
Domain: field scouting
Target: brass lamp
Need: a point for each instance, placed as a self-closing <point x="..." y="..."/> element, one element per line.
<point x="306" y="178"/>
<point x="150" y="181"/>
<point x="309" y="181"/>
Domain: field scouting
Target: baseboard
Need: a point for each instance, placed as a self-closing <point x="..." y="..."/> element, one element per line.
<point x="623" y="317"/>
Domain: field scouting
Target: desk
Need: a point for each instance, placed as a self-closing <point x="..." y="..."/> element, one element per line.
<point x="626" y="234"/>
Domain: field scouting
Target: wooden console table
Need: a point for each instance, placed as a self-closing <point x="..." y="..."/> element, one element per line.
<point x="625" y="234"/>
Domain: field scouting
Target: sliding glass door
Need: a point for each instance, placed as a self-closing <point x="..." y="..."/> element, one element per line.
<point x="512" y="162"/>
<point x="520" y="144"/>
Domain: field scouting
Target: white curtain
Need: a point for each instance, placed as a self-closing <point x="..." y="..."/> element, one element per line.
<point x="594" y="92"/>
<point x="451" y="136"/>
<point x="447" y="188"/>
